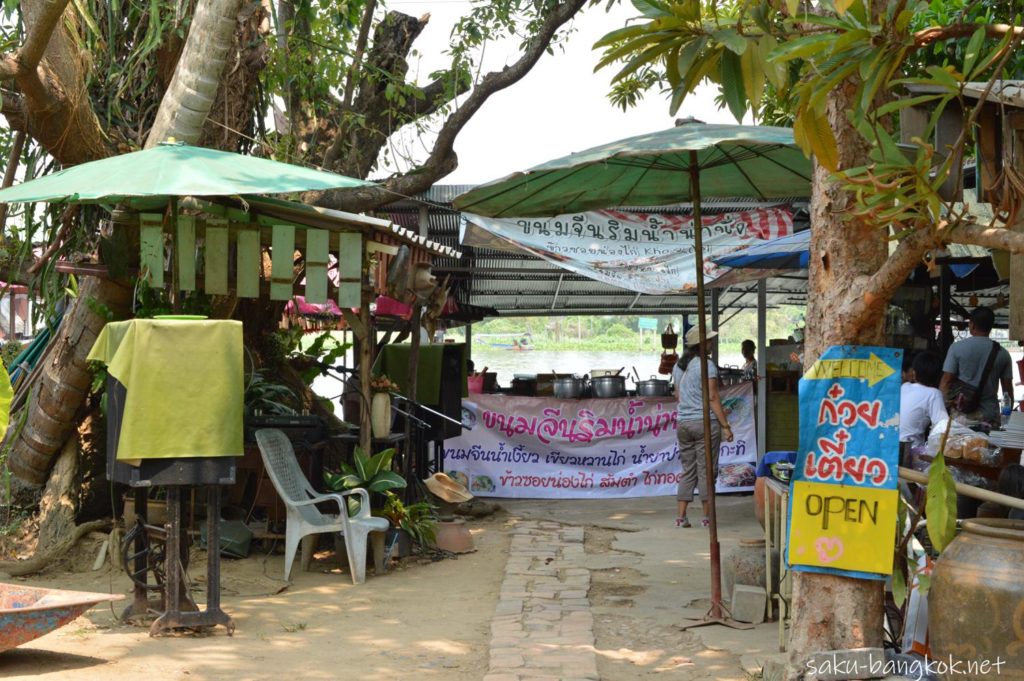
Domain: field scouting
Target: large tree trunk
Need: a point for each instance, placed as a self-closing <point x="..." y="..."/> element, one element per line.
<point x="829" y="612"/>
<point x="65" y="380"/>
<point x="192" y="92"/>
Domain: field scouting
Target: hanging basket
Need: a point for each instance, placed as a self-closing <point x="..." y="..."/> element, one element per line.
<point x="668" y="361"/>
<point x="669" y="339"/>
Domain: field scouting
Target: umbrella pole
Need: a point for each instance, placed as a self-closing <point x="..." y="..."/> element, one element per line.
<point x="718" y="614"/>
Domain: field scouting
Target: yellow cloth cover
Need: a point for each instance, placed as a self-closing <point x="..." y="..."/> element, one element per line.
<point x="184" y="384"/>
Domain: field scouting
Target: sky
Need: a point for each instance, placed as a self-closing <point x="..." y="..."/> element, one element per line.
<point x="558" y="108"/>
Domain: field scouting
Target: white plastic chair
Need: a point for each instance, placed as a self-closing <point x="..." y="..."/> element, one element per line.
<point x="303" y="516"/>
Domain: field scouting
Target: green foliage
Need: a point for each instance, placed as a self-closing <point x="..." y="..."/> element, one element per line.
<point x="372" y="473"/>
<point x="418" y="520"/>
<point x="325" y="349"/>
<point x="268" y="397"/>
<point x="151" y="302"/>
<point x="941" y="504"/>
<point x="11" y="349"/>
<point x="782" y="59"/>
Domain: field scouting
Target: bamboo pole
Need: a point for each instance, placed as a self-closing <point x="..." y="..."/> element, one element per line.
<point x="910" y="475"/>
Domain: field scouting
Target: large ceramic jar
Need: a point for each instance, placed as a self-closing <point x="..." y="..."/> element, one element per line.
<point x="976" y="602"/>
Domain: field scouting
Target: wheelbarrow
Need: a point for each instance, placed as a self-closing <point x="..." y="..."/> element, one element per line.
<point x="28" y="612"/>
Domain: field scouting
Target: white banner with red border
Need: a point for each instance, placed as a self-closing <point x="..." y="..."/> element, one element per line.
<point x="646" y="252"/>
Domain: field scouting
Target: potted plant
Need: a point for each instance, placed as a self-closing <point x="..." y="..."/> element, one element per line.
<point x="412" y="524"/>
<point x="372" y="473"/>
<point x="381" y="388"/>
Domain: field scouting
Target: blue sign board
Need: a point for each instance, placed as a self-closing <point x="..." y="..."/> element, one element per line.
<point x="843" y="503"/>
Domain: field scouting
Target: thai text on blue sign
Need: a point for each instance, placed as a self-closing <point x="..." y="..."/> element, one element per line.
<point x="843" y="503"/>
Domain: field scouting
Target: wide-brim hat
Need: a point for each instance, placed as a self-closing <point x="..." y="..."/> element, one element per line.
<point x="693" y="336"/>
<point x="443" y="487"/>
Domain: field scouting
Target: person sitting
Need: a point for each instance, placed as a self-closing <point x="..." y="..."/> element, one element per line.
<point x="921" y="403"/>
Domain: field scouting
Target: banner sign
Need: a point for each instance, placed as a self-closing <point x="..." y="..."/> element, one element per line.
<point x="843" y="504"/>
<point x="547" y="448"/>
<point x="645" y="252"/>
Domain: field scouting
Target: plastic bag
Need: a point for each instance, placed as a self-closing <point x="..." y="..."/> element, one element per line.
<point x="955" y="444"/>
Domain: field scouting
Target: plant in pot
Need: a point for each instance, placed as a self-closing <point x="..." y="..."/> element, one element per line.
<point x="412" y="524"/>
<point x="372" y="473"/>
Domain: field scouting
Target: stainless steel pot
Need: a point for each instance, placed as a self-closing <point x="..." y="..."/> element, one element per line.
<point x="569" y="387"/>
<point x="653" y="387"/>
<point x="609" y="386"/>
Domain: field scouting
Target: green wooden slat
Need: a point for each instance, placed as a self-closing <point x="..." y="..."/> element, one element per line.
<point x="317" y="247"/>
<point x="282" y="256"/>
<point x="215" y="257"/>
<point x="350" y="266"/>
<point x="186" y="253"/>
<point x="248" y="263"/>
<point x="151" y="248"/>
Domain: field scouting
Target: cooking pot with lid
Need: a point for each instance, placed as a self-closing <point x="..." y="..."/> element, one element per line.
<point x="609" y="386"/>
<point x="654" y="387"/>
<point x="569" y="387"/>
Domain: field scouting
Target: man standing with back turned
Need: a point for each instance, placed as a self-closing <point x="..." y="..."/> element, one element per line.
<point x="981" y="363"/>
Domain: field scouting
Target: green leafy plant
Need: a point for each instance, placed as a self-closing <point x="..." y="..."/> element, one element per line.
<point x="418" y="520"/>
<point x="267" y="396"/>
<point x="372" y="473"/>
<point x="324" y="350"/>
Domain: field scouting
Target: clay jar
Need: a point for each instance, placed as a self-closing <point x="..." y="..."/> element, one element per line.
<point x="976" y="600"/>
<point x="744" y="564"/>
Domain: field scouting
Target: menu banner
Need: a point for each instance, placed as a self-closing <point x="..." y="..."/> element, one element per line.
<point x="547" y="448"/>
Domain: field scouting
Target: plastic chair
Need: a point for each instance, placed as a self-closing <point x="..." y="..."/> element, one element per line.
<point x="303" y="516"/>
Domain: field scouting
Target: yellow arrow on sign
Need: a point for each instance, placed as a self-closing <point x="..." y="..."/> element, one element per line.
<point x="873" y="369"/>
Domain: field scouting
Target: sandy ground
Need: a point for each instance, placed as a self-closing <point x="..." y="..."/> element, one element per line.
<point x="422" y="620"/>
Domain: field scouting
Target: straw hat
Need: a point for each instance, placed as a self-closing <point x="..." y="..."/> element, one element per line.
<point x="443" y="487"/>
<point x="693" y="336"/>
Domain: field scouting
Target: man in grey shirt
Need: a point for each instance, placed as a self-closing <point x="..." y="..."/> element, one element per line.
<point x="966" y="361"/>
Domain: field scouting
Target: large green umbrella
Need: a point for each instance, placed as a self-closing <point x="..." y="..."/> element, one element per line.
<point x="169" y="170"/>
<point x="672" y="166"/>
<point x="733" y="161"/>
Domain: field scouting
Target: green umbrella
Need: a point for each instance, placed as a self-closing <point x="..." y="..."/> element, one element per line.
<point x="733" y="160"/>
<point x="171" y="169"/>
<point x="672" y="166"/>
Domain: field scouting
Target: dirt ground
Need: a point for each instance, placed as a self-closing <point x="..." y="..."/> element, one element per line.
<point x="422" y="620"/>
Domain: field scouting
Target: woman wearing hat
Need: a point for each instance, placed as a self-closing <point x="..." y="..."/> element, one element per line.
<point x="689" y="389"/>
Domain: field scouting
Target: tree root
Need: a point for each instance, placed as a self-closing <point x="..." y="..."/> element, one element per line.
<point x="41" y="559"/>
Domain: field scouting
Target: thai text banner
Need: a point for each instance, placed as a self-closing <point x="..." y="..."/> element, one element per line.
<point x="546" y="448"/>
<point x="843" y="504"/>
<point x="646" y="252"/>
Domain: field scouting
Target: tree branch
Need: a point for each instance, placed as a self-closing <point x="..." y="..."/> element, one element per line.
<point x="934" y="34"/>
<point x="8" y="67"/>
<point x="868" y="292"/>
<point x="1000" y="238"/>
<point x="39" y="32"/>
<point x="432" y="97"/>
<point x="442" y="159"/>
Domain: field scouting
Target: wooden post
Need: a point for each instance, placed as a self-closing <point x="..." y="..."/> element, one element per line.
<point x="414" y="368"/>
<point x="366" y="346"/>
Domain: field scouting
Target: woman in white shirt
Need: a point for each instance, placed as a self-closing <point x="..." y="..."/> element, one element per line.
<point x="921" y="403"/>
<point x="690" y="425"/>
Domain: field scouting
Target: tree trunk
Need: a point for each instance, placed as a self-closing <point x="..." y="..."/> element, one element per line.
<point x="192" y="92"/>
<point x="65" y="380"/>
<point x="830" y="612"/>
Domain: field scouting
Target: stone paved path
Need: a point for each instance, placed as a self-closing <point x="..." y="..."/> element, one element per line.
<point x="542" y="627"/>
